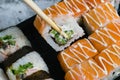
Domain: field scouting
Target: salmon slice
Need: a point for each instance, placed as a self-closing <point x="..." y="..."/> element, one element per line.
<point x="99" y="17"/>
<point x="67" y="7"/>
<point x="106" y="36"/>
<point x="109" y="59"/>
<point x="76" y="53"/>
<point x="70" y="7"/>
<point x="87" y="70"/>
<point x="95" y="3"/>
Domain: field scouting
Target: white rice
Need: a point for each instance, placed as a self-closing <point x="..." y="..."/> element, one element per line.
<point x="112" y="76"/>
<point x="20" y="39"/>
<point x="49" y="79"/>
<point x="32" y="57"/>
<point x="66" y="22"/>
<point x="2" y="75"/>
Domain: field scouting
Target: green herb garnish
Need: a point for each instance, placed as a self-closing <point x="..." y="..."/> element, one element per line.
<point x="6" y="40"/>
<point x="60" y="39"/>
<point x="22" y="68"/>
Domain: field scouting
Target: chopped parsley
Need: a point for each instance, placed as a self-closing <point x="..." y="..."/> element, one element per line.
<point x="22" y="68"/>
<point x="60" y="39"/>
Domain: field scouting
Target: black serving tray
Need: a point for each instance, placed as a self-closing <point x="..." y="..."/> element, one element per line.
<point x="40" y="45"/>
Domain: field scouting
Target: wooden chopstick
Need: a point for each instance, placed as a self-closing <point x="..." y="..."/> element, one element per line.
<point x="37" y="9"/>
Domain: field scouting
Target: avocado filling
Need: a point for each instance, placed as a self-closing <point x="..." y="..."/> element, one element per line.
<point x="6" y="41"/>
<point x="60" y="39"/>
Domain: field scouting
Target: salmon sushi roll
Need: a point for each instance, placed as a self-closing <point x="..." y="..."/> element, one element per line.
<point x="2" y="75"/>
<point x="69" y="7"/>
<point x="99" y="17"/>
<point x="11" y="40"/>
<point x="109" y="60"/>
<point x="95" y="3"/>
<point x="87" y="70"/>
<point x="76" y="53"/>
<point x="106" y="36"/>
<point x="68" y="24"/>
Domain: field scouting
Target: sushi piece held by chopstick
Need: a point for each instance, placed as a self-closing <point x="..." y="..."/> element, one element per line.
<point x="60" y="31"/>
<point x="68" y="24"/>
<point x="11" y="40"/>
<point x="2" y="75"/>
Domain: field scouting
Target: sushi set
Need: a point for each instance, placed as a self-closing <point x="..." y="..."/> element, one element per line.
<point x="33" y="50"/>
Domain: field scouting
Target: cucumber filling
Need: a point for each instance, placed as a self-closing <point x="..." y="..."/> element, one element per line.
<point x="60" y="39"/>
<point x="20" y="72"/>
<point x="6" y="41"/>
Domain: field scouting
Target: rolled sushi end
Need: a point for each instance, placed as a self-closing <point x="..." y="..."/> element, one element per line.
<point x="67" y="24"/>
<point x="11" y="40"/>
<point x="2" y="75"/>
<point x="26" y="66"/>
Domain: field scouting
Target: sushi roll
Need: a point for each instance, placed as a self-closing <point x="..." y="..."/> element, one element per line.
<point x="69" y="7"/>
<point x="106" y="36"/>
<point x="11" y="40"/>
<point x="72" y="7"/>
<point x="75" y="54"/>
<point x="99" y="17"/>
<point x="68" y="24"/>
<point x="30" y="66"/>
<point x="2" y="75"/>
<point x="109" y="60"/>
<point x="87" y="70"/>
<point x="95" y="3"/>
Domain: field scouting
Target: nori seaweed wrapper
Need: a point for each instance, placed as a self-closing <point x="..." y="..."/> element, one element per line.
<point x="117" y="78"/>
<point x="15" y="56"/>
<point x="40" y="75"/>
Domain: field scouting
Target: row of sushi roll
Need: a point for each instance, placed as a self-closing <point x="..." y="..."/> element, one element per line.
<point x="95" y="56"/>
<point x="64" y="14"/>
<point x="104" y="66"/>
<point x="17" y="58"/>
<point x="69" y="14"/>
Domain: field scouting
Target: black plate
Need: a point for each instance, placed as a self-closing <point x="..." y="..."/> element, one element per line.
<point x="39" y="44"/>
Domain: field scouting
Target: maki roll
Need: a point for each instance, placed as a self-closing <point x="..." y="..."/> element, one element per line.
<point x="29" y="67"/>
<point x="99" y="17"/>
<point x="72" y="7"/>
<point x="87" y="70"/>
<point x="68" y="24"/>
<point x="109" y="60"/>
<point x="11" y="40"/>
<point x="106" y="36"/>
<point x="75" y="54"/>
<point x="67" y="7"/>
<point x="2" y="75"/>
